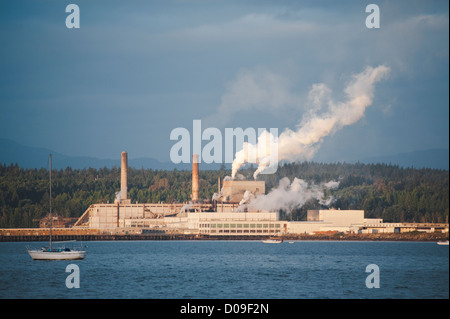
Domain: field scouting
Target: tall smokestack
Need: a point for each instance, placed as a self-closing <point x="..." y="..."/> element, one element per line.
<point x="123" y="176"/>
<point x="195" y="178"/>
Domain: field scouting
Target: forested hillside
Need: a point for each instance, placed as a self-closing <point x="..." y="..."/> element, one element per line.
<point x="383" y="191"/>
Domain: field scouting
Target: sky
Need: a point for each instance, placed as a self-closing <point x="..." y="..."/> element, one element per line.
<point x="136" y="70"/>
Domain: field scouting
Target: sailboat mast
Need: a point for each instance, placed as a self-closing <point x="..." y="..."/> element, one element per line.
<point x="51" y="218"/>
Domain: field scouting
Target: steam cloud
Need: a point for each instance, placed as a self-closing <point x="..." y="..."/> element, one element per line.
<point x="119" y="195"/>
<point x="288" y="196"/>
<point x="304" y="142"/>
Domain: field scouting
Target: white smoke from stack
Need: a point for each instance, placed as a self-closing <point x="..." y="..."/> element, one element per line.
<point x="218" y="196"/>
<point x="246" y="198"/>
<point x="288" y="196"/>
<point x="304" y="142"/>
<point x="261" y="152"/>
<point x="185" y="207"/>
<point x="119" y="195"/>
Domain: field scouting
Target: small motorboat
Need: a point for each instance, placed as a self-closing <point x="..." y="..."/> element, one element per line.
<point x="272" y="241"/>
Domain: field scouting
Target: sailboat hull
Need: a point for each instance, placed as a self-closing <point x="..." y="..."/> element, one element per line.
<point x="60" y="255"/>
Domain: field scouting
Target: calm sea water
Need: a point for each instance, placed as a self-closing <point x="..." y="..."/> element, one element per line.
<point x="231" y="269"/>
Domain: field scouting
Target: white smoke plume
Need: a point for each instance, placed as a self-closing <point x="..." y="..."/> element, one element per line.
<point x="261" y="152"/>
<point x="304" y="142"/>
<point x="119" y="195"/>
<point x="288" y="196"/>
<point x="216" y="196"/>
<point x="252" y="90"/>
<point x="246" y="198"/>
<point x="185" y="206"/>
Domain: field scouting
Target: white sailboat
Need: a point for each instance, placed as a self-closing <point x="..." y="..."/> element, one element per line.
<point x="63" y="253"/>
<point x="51" y="253"/>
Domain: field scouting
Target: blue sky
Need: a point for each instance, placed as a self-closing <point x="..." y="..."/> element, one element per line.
<point x="136" y="70"/>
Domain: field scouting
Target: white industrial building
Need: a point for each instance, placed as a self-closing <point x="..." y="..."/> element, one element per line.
<point x="329" y="220"/>
<point x="221" y="217"/>
<point x="191" y="219"/>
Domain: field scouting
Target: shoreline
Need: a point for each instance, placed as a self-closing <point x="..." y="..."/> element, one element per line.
<point x="424" y="237"/>
<point x="410" y="236"/>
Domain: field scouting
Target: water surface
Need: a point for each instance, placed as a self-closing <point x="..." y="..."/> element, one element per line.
<point x="231" y="270"/>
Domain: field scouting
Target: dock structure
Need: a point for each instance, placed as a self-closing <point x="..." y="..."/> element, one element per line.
<point x="234" y="225"/>
<point x="97" y="237"/>
<point x="329" y="235"/>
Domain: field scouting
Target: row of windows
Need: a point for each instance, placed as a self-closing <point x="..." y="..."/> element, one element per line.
<point x="240" y="225"/>
<point x="242" y="231"/>
<point x="234" y="219"/>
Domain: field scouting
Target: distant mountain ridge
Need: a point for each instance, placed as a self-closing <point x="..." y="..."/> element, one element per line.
<point x="12" y="152"/>
<point x="33" y="157"/>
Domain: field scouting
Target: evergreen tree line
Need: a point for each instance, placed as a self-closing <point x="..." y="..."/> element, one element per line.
<point x="383" y="191"/>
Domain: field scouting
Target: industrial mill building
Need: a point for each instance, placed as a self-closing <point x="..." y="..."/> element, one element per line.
<point x="221" y="217"/>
